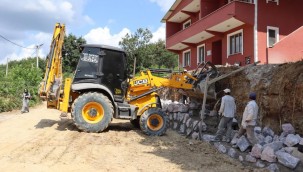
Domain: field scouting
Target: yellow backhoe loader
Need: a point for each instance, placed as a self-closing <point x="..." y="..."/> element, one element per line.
<point x="101" y="88"/>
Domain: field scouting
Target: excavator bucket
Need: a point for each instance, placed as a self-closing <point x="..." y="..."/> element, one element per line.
<point x="201" y="73"/>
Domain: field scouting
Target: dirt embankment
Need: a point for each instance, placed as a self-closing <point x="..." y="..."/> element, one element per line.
<point x="279" y="91"/>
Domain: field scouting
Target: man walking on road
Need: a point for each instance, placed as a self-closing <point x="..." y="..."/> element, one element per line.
<point x="25" y="101"/>
<point x="249" y="119"/>
<point x="227" y="111"/>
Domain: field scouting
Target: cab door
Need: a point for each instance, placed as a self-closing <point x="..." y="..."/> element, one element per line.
<point x="114" y="72"/>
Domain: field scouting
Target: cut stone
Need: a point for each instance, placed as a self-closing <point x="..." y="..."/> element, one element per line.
<point x="207" y="137"/>
<point x="202" y="126"/>
<point x="257" y="130"/>
<point x="268" y="154"/>
<point x="268" y="132"/>
<point x="170" y="107"/>
<point x="183" y="108"/>
<point x="260" y="139"/>
<point x="182" y="129"/>
<point x="186" y="117"/>
<point x="288" y="128"/>
<point x="250" y="158"/>
<point x="256" y="151"/>
<point x="288" y="149"/>
<point x="176" y="108"/>
<point x="195" y="125"/>
<point x="220" y="147"/>
<point x="243" y="143"/>
<point x="287" y="160"/>
<point x="260" y="164"/>
<point x="176" y="126"/>
<point x="195" y="136"/>
<point x="232" y="153"/>
<point x="189" y="123"/>
<point x="268" y="139"/>
<point x="273" y="168"/>
<point x="292" y="140"/>
<point x="241" y="159"/>
<point x="274" y="145"/>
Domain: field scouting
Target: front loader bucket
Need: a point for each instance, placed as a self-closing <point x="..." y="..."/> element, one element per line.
<point x="202" y="71"/>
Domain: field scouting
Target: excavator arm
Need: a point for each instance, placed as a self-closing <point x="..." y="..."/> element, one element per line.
<point x="51" y="85"/>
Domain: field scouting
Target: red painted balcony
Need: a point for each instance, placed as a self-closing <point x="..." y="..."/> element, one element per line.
<point x="226" y="18"/>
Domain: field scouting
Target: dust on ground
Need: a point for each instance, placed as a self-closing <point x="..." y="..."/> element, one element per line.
<point x="40" y="141"/>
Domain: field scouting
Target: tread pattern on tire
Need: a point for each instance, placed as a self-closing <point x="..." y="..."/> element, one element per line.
<point x="88" y="97"/>
<point x="143" y="122"/>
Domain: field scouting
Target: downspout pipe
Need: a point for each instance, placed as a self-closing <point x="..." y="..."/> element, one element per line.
<point x="256" y="57"/>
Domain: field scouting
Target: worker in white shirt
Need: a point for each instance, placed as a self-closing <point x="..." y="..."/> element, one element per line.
<point x="249" y="119"/>
<point x="227" y="111"/>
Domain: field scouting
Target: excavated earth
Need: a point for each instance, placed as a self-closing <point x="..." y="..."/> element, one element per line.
<point x="279" y="91"/>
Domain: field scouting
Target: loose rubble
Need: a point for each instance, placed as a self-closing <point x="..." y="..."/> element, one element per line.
<point x="272" y="148"/>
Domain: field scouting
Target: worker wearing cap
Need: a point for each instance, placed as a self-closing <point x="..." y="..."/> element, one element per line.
<point x="249" y="119"/>
<point x="227" y="111"/>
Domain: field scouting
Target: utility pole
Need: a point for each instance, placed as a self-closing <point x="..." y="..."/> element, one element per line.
<point x="6" y="66"/>
<point x="37" y="53"/>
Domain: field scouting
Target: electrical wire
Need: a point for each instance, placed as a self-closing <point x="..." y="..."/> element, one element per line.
<point x="15" y="43"/>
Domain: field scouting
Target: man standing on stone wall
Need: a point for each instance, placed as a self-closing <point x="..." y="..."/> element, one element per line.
<point x="249" y="119"/>
<point x="227" y="111"/>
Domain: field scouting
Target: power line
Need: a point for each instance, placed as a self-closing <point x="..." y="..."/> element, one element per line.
<point x="15" y="43"/>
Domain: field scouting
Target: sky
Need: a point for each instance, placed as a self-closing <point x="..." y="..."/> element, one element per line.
<point x="29" y="23"/>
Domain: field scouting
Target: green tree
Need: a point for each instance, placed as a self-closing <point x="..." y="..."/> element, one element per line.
<point x="21" y="74"/>
<point x="161" y="56"/>
<point x="136" y="47"/>
<point x="71" y="52"/>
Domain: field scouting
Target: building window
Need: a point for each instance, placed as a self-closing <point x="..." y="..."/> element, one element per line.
<point x="186" y="58"/>
<point x="201" y="54"/>
<point x="186" y="24"/>
<point x="272" y="36"/>
<point x="235" y="42"/>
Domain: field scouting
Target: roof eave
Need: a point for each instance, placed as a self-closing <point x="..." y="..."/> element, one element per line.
<point x="170" y="11"/>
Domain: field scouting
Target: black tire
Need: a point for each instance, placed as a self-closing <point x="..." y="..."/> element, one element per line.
<point x="154" y="122"/>
<point x="92" y="112"/>
<point x="135" y="123"/>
